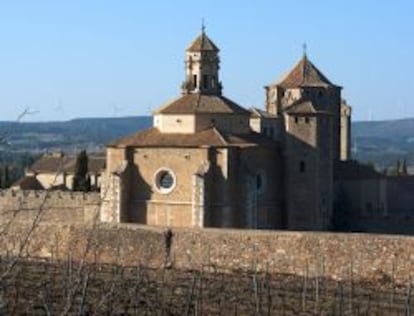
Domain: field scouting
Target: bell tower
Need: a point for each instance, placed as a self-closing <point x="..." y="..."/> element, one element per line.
<point x="202" y="67"/>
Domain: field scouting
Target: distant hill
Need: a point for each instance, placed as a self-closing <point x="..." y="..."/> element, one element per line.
<point x="379" y="142"/>
<point x="90" y="133"/>
<point x="384" y="142"/>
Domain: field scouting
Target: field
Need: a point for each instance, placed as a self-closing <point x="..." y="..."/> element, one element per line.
<point x="42" y="287"/>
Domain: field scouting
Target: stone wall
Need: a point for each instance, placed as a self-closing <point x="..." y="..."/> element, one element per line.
<point x="340" y="256"/>
<point x="51" y="206"/>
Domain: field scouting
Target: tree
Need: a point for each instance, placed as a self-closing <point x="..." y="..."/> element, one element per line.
<point x="81" y="180"/>
<point x="5" y="179"/>
<point x="404" y="170"/>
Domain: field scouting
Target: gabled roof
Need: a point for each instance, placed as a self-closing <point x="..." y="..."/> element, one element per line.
<point x="303" y="106"/>
<point x="152" y="137"/>
<point x="202" y="43"/>
<point x="201" y="103"/>
<point x="304" y="74"/>
<point x="67" y="164"/>
<point x="257" y="113"/>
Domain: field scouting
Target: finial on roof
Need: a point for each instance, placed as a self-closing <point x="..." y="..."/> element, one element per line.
<point x="203" y="27"/>
<point x="304" y="46"/>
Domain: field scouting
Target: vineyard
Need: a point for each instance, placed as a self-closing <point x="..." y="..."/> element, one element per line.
<point x="43" y="287"/>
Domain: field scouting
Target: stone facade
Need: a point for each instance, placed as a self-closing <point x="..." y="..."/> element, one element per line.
<point x="208" y="162"/>
<point x="308" y="104"/>
<point x="345" y="131"/>
<point x="369" y="201"/>
<point x="201" y="165"/>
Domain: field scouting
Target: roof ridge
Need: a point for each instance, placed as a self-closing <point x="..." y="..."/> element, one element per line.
<point x="220" y="136"/>
<point x="167" y="104"/>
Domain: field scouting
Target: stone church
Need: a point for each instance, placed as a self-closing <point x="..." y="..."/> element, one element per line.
<point x="209" y="162"/>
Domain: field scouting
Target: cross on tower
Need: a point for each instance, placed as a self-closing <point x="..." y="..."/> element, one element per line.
<point x="203" y="27"/>
<point x="304" y="46"/>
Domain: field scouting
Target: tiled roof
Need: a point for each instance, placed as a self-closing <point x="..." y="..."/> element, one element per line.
<point x="304" y="74"/>
<point x="201" y="103"/>
<point x="202" y="43"/>
<point x="303" y="106"/>
<point x="256" y="113"/>
<point x="211" y="137"/>
<point x="51" y="164"/>
<point x="28" y="183"/>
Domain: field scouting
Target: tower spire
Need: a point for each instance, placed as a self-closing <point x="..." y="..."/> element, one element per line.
<point x="202" y="66"/>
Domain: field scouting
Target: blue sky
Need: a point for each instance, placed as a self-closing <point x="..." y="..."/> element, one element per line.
<point x="67" y="59"/>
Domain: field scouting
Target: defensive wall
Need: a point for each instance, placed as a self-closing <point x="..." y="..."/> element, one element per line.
<point x="51" y="206"/>
<point x="66" y="234"/>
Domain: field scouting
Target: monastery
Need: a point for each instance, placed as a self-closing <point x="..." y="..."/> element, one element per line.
<point x="209" y="162"/>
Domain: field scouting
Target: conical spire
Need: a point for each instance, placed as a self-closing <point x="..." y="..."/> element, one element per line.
<point x="202" y="43"/>
<point x="304" y="74"/>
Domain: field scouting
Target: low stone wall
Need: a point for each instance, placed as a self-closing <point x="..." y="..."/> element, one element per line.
<point x="340" y="256"/>
<point x="51" y="206"/>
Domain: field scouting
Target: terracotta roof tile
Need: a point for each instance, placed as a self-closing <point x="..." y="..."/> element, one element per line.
<point x="52" y="164"/>
<point x="201" y="103"/>
<point x="28" y="183"/>
<point x="306" y="106"/>
<point x="304" y="74"/>
<point x="256" y="113"/>
<point x="211" y="137"/>
<point x="202" y="43"/>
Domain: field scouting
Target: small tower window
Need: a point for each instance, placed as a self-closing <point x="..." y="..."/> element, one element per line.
<point x="213" y="80"/>
<point x="259" y="182"/>
<point x="302" y="166"/>
<point x="296" y="119"/>
<point x="205" y="81"/>
<point x="307" y="120"/>
<point x="195" y="81"/>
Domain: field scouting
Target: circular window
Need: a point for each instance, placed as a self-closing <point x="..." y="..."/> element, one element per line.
<point x="165" y="180"/>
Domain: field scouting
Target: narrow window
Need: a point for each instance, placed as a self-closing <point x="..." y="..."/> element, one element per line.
<point x="259" y="181"/>
<point x="205" y="81"/>
<point x="195" y="81"/>
<point x="265" y="130"/>
<point x="296" y="119"/>
<point x="302" y="166"/>
<point x="213" y="80"/>
<point x="307" y="120"/>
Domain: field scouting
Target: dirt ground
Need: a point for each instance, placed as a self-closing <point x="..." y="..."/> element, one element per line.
<point x="38" y="287"/>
